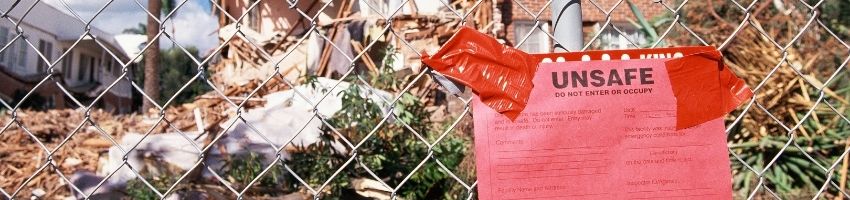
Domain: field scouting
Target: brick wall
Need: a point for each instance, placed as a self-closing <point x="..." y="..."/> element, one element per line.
<point x="590" y="13"/>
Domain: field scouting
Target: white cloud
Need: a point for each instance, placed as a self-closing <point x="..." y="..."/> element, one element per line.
<point x="194" y="25"/>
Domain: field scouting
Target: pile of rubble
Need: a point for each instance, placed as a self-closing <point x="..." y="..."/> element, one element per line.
<point x="29" y="138"/>
<point x="94" y="143"/>
<point x="328" y="48"/>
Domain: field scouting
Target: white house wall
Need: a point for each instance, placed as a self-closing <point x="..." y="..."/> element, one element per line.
<point x="122" y="88"/>
<point x="34" y="35"/>
<point x="88" y="48"/>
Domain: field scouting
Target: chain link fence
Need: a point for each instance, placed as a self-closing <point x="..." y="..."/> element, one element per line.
<point x="373" y="130"/>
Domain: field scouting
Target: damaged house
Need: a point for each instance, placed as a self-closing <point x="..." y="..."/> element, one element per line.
<point x="277" y="27"/>
<point x="85" y="72"/>
<point x="325" y="38"/>
<point x="271" y="29"/>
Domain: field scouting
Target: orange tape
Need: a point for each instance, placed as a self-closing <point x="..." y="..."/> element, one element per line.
<point x="704" y="87"/>
<point x="500" y="75"/>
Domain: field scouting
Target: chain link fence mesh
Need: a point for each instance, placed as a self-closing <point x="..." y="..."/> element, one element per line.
<point x="788" y="142"/>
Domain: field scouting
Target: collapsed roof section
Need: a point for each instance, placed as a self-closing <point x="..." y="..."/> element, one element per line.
<point x="332" y="38"/>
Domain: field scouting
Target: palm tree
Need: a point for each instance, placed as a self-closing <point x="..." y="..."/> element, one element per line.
<point x="151" y="86"/>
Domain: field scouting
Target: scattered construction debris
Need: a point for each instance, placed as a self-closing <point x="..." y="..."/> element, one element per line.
<point x="273" y="67"/>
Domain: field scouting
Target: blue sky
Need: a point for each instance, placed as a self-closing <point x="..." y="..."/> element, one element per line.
<point x="195" y="26"/>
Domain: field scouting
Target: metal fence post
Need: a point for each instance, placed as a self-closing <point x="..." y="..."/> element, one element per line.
<point x="566" y="25"/>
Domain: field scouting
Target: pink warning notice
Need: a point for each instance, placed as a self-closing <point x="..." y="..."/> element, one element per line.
<point x="599" y="130"/>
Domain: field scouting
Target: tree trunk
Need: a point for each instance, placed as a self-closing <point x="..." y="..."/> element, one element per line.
<point x="152" y="56"/>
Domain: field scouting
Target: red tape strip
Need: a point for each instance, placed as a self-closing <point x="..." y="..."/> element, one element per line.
<point x="500" y="75"/>
<point x="704" y="87"/>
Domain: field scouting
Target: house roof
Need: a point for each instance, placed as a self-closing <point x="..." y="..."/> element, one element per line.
<point x="55" y="21"/>
<point x="51" y="19"/>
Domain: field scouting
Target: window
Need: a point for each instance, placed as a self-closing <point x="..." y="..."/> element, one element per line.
<point x="46" y="48"/>
<point x="17" y="57"/>
<point x="4" y="38"/>
<point x="22" y="54"/>
<point x="12" y="54"/>
<point x="81" y="69"/>
<point x="66" y="64"/>
<point x="92" y="69"/>
<point x="116" y="71"/>
<point x="537" y="42"/>
<point x="611" y="39"/>
<point x="108" y="65"/>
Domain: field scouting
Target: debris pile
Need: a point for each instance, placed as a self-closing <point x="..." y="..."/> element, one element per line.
<point x="23" y="155"/>
<point x="800" y="97"/>
<point x="174" y="143"/>
<point x="275" y="77"/>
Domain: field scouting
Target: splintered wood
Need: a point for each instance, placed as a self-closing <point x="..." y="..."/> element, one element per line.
<point x="88" y="138"/>
<point x="247" y="59"/>
<point x="789" y="90"/>
<point x="22" y="153"/>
